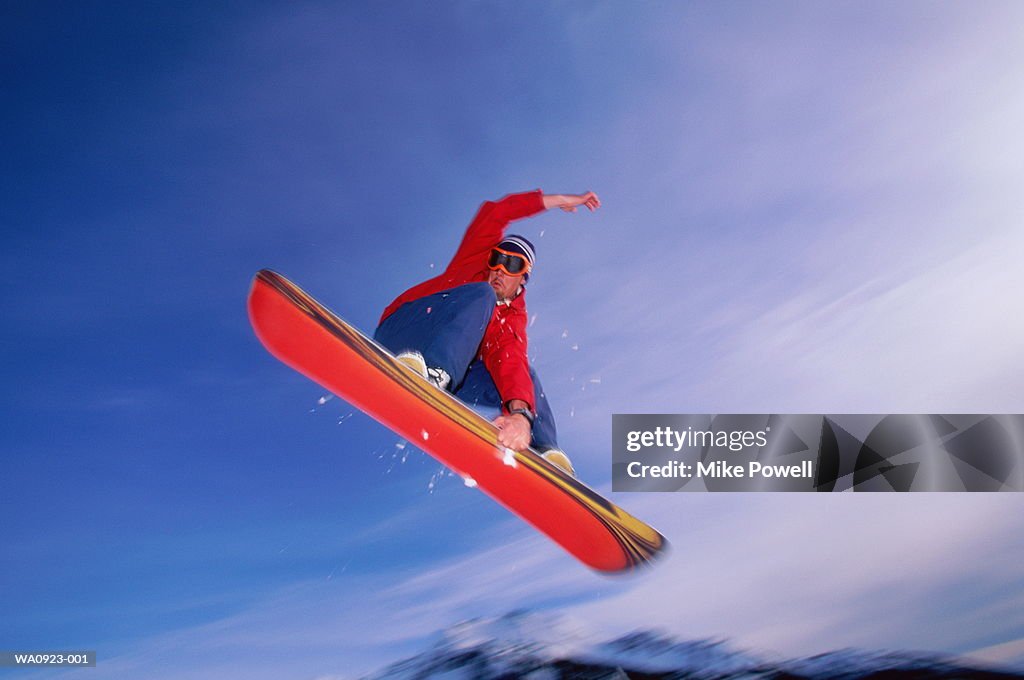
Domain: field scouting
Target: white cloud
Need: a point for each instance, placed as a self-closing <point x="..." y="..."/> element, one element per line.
<point x="1008" y="653"/>
<point x="801" y="574"/>
<point x="836" y="242"/>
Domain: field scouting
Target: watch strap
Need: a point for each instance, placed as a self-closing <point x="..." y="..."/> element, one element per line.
<point x="523" y="412"/>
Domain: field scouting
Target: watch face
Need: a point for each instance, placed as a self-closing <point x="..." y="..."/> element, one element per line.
<point x="524" y="412"/>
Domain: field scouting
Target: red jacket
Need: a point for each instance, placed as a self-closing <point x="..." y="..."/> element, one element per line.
<point x="503" y="349"/>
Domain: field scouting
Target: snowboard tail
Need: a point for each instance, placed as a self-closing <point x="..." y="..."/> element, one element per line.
<point x="311" y="339"/>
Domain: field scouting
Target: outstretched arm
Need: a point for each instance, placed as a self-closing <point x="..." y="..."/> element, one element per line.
<point x="569" y="202"/>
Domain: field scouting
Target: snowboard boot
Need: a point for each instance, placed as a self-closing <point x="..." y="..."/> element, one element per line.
<point x="559" y="460"/>
<point x="438" y="377"/>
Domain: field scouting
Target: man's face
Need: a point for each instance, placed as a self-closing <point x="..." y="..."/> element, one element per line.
<point x="504" y="286"/>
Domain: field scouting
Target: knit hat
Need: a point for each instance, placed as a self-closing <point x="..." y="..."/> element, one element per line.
<point x="514" y="243"/>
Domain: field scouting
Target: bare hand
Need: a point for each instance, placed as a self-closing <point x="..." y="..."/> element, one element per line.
<point x="569" y="202"/>
<point x="589" y="199"/>
<point x="513" y="431"/>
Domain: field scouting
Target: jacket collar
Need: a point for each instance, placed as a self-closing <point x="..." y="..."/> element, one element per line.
<point x="514" y="298"/>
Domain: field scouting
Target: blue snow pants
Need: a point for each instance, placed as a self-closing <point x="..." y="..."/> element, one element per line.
<point x="447" y="328"/>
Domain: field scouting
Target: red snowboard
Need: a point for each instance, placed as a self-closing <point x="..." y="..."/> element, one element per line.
<point x="305" y="335"/>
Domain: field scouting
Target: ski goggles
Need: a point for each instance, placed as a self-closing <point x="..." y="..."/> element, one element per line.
<point x="511" y="263"/>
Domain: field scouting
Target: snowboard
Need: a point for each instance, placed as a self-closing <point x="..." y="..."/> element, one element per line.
<point x="311" y="339"/>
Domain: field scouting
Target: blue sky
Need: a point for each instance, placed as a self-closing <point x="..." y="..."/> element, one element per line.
<point x="808" y="207"/>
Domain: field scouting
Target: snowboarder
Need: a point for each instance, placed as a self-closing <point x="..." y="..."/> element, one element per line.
<point x="465" y="329"/>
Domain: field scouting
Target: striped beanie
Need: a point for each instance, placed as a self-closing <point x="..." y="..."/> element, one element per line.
<point x="514" y="243"/>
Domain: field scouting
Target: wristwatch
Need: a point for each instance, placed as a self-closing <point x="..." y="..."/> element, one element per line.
<point x="523" y="412"/>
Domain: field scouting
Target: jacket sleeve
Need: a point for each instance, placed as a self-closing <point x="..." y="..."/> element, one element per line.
<point x="488" y="227"/>
<point x="504" y="353"/>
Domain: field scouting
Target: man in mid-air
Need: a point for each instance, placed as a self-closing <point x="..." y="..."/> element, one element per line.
<point x="465" y="329"/>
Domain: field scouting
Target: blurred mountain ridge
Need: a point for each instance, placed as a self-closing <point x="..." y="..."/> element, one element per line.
<point x="544" y="646"/>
